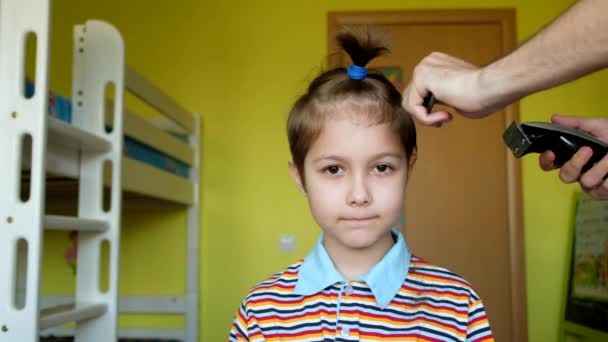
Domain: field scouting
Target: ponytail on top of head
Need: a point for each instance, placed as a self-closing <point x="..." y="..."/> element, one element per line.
<point x="353" y="89"/>
<point x="362" y="47"/>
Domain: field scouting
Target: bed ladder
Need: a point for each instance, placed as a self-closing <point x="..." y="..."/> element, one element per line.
<point x="27" y="135"/>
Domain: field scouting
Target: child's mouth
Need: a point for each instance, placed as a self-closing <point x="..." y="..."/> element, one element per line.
<point x="358" y="219"/>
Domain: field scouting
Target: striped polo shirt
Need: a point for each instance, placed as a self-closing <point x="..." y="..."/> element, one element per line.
<point x="402" y="298"/>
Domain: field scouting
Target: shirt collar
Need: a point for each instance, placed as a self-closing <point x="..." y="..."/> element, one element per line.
<point x="317" y="272"/>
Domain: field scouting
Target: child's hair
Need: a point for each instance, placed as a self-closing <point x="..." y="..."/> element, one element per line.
<point x="341" y="90"/>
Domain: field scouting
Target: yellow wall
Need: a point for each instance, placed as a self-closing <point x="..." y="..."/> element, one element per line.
<point x="240" y="64"/>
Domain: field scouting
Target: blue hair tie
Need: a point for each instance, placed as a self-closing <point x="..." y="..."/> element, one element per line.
<point x="356" y="72"/>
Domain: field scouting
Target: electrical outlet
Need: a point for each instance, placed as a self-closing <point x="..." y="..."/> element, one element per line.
<point x="287" y="243"/>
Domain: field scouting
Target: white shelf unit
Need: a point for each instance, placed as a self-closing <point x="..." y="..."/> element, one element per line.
<point x="93" y="158"/>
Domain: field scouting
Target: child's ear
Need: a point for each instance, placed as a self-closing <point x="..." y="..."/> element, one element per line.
<point x="297" y="178"/>
<point x="411" y="162"/>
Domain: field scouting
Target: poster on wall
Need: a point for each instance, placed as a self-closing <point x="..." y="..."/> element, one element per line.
<point x="394" y="75"/>
<point x="590" y="254"/>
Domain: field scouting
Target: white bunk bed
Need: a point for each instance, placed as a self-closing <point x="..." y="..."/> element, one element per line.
<point x="84" y="151"/>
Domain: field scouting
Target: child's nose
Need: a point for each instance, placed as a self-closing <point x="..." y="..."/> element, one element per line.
<point x="359" y="194"/>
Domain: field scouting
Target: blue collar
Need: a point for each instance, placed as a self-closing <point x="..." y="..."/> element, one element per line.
<point x="317" y="272"/>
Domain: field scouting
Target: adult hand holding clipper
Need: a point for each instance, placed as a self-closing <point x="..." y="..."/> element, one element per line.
<point x="594" y="180"/>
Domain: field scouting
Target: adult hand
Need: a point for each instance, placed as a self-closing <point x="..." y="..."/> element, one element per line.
<point x="453" y="82"/>
<point x="591" y="181"/>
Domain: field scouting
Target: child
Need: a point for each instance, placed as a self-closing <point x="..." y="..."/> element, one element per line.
<point x="353" y="147"/>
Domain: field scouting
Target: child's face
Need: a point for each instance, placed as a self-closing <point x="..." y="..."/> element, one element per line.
<point x="356" y="176"/>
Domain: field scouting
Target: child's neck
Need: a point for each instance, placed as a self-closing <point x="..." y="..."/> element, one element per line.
<point x="353" y="263"/>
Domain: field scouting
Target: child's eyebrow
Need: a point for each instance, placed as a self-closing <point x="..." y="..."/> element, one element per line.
<point x="388" y="154"/>
<point x="329" y="157"/>
<point x="374" y="157"/>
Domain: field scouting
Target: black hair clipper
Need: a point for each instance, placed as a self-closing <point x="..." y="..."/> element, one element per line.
<point x="538" y="137"/>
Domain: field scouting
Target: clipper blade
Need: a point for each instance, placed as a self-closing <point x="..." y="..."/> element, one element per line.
<point x="516" y="139"/>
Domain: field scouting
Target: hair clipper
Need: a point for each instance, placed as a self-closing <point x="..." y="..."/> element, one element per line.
<point x="538" y="137"/>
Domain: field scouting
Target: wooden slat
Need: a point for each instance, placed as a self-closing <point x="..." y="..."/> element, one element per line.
<point x="155" y="97"/>
<point x="152" y="304"/>
<point x="62" y="197"/>
<point x="130" y="304"/>
<point x="140" y="129"/>
<point x="56" y="316"/>
<point x="144" y="131"/>
<point x="150" y="181"/>
<point x="55" y="222"/>
<point x="146" y="334"/>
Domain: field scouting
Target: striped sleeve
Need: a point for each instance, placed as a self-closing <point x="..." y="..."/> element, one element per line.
<point x="478" y="327"/>
<point x="238" y="333"/>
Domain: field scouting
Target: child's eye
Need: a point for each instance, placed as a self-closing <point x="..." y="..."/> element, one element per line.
<point x="383" y="168"/>
<point x="333" y="169"/>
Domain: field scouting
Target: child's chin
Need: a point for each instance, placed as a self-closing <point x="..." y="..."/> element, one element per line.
<point x="362" y="241"/>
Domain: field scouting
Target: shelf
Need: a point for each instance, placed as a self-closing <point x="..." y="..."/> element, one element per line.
<point x="62" y="133"/>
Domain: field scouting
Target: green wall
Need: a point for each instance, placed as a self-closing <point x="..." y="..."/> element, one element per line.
<point x="241" y="64"/>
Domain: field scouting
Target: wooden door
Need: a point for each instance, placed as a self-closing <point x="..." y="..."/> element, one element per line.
<point x="463" y="207"/>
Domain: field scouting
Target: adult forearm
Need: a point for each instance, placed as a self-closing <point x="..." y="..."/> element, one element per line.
<point x="573" y="45"/>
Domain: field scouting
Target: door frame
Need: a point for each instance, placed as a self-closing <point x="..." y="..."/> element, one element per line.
<point x="505" y="18"/>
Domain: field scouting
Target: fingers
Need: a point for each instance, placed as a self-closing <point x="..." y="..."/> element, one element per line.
<point x="600" y="192"/>
<point x="435" y="119"/>
<point x="439" y="118"/>
<point x="412" y="102"/>
<point x="546" y="160"/>
<point x="413" y="99"/>
<point x="595" y="176"/>
<point x="454" y="82"/>
<point x="588" y="125"/>
<point x="417" y="90"/>
<point x="568" y="121"/>
<point x="592" y="181"/>
<point x="571" y="170"/>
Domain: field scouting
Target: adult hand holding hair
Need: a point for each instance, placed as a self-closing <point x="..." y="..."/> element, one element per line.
<point x="573" y="45"/>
